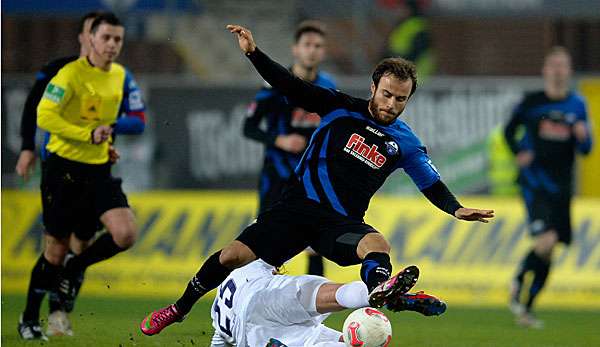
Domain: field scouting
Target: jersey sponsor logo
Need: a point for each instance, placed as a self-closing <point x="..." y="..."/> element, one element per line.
<point x="375" y="131"/>
<point x="303" y="119"/>
<point x="391" y="147"/>
<point x="554" y="130"/>
<point x="365" y="153"/>
<point x="54" y="93"/>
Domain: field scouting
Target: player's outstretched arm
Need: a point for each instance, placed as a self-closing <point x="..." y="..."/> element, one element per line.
<point x="305" y="94"/>
<point x="473" y="214"/>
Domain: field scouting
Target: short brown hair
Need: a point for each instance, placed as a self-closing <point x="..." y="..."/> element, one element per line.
<point x="309" y="26"/>
<point x="557" y="50"/>
<point x="397" y="67"/>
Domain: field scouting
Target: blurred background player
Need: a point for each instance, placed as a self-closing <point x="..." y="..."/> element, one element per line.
<point x="288" y="127"/>
<point x="79" y="110"/>
<point x="131" y="121"/>
<point x="556" y="128"/>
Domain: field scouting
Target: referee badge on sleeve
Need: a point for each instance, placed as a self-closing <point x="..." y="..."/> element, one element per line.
<point x="54" y="93"/>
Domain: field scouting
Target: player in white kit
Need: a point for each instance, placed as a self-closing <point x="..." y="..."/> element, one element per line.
<point x="255" y="305"/>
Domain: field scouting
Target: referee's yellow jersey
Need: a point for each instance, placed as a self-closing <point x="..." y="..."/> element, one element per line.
<point x="78" y="99"/>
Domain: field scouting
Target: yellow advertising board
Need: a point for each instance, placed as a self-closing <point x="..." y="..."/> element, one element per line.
<point x="590" y="165"/>
<point x="464" y="263"/>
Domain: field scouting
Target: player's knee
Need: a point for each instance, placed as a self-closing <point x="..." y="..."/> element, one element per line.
<point x="125" y="236"/>
<point x="373" y="242"/>
<point x="235" y="255"/>
<point x="56" y="255"/>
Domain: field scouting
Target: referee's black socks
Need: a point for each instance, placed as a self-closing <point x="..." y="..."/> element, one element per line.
<point x="376" y="268"/>
<point x="103" y="248"/>
<point x="43" y="278"/>
<point x="210" y="275"/>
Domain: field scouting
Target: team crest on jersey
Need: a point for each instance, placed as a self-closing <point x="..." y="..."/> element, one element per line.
<point x="391" y="147"/>
<point x="369" y="155"/>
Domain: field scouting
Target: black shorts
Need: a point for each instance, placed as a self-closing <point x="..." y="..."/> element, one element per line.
<point x="291" y="225"/>
<point x="75" y="195"/>
<point x="271" y="187"/>
<point x="549" y="212"/>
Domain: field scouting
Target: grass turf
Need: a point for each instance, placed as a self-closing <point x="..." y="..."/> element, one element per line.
<point x="114" y="322"/>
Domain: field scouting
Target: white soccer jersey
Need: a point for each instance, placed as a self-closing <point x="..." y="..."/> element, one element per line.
<point x="253" y="305"/>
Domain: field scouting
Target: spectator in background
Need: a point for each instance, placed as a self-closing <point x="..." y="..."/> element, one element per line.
<point x="288" y="127"/>
<point x="410" y="39"/>
<point x="556" y="128"/>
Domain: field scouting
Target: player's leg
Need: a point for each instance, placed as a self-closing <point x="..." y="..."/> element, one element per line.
<point x="58" y="318"/>
<point x="349" y="243"/>
<point x="274" y="237"/>
<point x="315" y="263"/>
<point x="43" y="279"/>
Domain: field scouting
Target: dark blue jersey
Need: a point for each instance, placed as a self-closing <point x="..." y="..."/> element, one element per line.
<point x="350" y="155"/>
<point x="549" y="134"/>
<point x="282" y="118"/>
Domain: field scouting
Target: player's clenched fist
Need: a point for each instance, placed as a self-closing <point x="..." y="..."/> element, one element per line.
<point x="244" y="36"/>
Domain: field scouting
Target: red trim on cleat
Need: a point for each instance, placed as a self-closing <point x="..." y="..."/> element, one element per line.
<point x="156" y="321"/>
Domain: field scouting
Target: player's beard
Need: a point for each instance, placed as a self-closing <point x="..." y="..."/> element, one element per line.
<point x="381" y="117"/>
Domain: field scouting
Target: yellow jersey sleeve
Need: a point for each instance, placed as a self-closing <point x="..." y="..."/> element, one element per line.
<point x="51" y="106"/>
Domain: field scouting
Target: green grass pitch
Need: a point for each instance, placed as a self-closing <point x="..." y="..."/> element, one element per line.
<point x="114" y="322"/>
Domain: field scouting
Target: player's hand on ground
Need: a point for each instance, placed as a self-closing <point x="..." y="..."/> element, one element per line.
<point x="244" y="36"/>
<point x="472" y="214"/>
<point x="292" y="143"/>
<point x="524" y="158"/>
<point x="25" y="164"/>
<point x="113" y="154"/>
<point x="580" y="131"/>
<point x="101" y="134"/>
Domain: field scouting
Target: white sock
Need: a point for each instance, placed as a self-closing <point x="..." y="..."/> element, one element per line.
<point x="353" y="295"/>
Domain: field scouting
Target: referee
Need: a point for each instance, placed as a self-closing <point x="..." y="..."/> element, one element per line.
<point x="131" y="121"/>
<point x="79" y="110"/>
<point x="556" y="128"/>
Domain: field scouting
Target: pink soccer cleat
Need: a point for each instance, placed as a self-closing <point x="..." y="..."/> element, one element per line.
<point x="156" y="321"/>
<point x="401" y="283"/>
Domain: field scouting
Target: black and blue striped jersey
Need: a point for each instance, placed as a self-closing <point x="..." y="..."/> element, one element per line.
<point x="549" y="134"/>
<point x="350" y="155"/>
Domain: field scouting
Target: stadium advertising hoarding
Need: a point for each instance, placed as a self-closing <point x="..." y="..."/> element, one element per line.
<point x="194" y="134"/>
<point x="464" y="263"/>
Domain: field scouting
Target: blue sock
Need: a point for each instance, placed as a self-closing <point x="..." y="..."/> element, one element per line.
<point x="376" y="268"/>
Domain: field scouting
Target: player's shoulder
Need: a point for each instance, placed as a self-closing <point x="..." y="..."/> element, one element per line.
<point x="325" y="80"/>
<point x="577" y="98"/>
<point x="402" y="133"/>
<point x="119" y="69"/>
<point x="534" y="97"/>
<point x="53" y="66"/>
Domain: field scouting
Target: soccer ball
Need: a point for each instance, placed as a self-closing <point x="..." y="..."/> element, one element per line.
<point x="367" y="327"/>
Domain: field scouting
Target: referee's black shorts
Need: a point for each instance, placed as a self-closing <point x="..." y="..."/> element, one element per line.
<point x="291" y="225"/>
<point x="549" y="212"/>
<point x="75" y="195"/>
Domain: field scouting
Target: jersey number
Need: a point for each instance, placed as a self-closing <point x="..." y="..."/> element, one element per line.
<point x="229" y="286"/>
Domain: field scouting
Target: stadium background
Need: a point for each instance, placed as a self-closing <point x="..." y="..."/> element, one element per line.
<point x="191" y="176"/>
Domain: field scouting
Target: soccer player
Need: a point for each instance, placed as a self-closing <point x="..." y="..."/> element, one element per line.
<point x="357" y="145"/>
<point x="254" y="305"/>
<point x="556" y="128"/>
<point x="79" y="110"/>
<point x="289" y="127"/>
<point x="131" y="121"/>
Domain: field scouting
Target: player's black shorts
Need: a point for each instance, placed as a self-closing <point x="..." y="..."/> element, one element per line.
<point x="271" y="187"/>
<point x="549" y="212"/>
<point x="291" y="225"/>
<point x="75" y="195"/>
